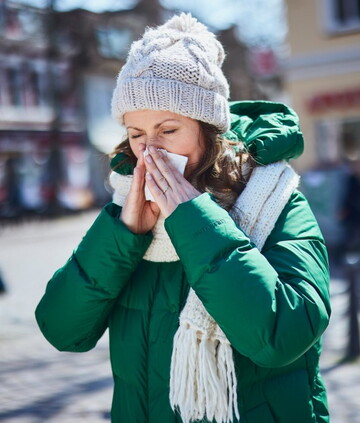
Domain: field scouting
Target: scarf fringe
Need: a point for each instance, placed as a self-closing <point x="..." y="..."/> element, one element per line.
<point x="203" y="381"/>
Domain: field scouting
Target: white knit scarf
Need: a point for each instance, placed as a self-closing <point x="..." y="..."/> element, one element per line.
<point x="202" y="379"/>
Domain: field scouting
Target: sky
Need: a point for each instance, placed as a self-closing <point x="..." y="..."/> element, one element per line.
<point x="258" y="22"/>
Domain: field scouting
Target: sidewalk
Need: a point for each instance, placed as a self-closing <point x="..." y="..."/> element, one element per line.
<point x="342" y="378"/>
<point x="39" y="384"/>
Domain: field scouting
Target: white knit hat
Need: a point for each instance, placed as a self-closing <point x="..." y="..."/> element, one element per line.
<point x="175" y="67"/>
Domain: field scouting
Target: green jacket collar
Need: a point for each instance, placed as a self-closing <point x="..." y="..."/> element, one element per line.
<point x="270" y="131"/>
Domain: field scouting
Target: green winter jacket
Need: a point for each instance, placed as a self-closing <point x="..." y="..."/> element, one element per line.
<point x="273" y="306"/>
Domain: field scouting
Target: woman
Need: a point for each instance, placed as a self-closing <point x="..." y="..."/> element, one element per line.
<point x="216" y="292"/>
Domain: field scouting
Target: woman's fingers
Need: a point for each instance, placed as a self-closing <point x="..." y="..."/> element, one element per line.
<point x="138" y="214"/>
<point x="139" y="170"/>
<point x="154" y="186"/>
<point x="167" y="184"/>
<point x="161" y="170"/>
<point x="142" y="148"/>
<point x="138" y="181"/>
<point x="137" y="186"/>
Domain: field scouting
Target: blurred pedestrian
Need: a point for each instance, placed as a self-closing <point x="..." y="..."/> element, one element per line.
<point x="2" y="285"/>
<point x="213" y="283"/>
<point x="350" y="212"/>
<point x="350" y="217"/>
<point x="12" y="205"/>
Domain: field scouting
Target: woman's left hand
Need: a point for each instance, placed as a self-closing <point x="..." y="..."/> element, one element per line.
<point x="168" y="187"/>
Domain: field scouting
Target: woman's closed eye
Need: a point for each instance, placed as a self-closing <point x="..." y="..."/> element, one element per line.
<point x="165" y="132"/>
<point x="134" y="136"/>
<point x="169" y="131"/>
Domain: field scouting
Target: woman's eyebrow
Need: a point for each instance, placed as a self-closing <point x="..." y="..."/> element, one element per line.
<point x="133" y="127"/>
<point x="166" y="120"/>
<point x="156" y="126"/>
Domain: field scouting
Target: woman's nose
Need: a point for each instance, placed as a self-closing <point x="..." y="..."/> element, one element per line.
<point x="154" y="142"/>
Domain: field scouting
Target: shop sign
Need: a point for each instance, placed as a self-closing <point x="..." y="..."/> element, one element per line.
<point x="334" y="100"/>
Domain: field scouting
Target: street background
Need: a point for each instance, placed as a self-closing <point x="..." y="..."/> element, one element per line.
<point x="58" y="66"/>
<point x="39" y="384"/>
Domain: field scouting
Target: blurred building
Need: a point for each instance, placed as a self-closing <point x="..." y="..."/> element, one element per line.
<point x="323" y="81"/>
<point x="43" y="153"/>
<point x="25" y="112"/>
<point x="323" y="77"/>
<point x="240" y="72"/>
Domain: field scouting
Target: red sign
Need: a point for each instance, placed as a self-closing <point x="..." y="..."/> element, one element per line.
<point x="335" y="100"/>
<point x="263" y="62"/>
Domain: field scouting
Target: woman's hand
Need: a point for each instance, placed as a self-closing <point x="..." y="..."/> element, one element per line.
<point x="138" y="214"/>
<point x="168" y="187"/>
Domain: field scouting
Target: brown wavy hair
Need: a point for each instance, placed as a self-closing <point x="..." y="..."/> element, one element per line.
<point x="219" y="172"/>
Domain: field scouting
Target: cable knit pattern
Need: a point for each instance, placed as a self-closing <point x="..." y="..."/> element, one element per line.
<point x="161" y="248"/>
<point x="202" y="355"/>
<point x="259" y="206"/>
<point x="175" y="67"/>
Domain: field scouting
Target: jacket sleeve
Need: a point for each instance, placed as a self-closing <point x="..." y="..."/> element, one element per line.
<point x="272" y="305"/>
<point x="74" y="310"/>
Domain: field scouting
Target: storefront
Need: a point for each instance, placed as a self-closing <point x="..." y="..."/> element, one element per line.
<point x="35" y="173"/>
<point x="336" y="115"/>
<point x="330" y="120"/>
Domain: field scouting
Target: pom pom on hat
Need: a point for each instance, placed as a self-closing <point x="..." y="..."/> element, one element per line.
<point x="185" y="23"/>
<point x="188" y="25"/>
<point x="175" y="67"/>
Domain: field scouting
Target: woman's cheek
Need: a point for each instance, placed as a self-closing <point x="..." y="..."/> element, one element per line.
<point x="134" y="145"/>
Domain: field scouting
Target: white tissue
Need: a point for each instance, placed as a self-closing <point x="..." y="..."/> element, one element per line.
<point x="178" y="161"/>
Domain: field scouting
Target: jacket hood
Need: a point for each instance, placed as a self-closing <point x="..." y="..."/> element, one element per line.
<point x="269" y="131"/>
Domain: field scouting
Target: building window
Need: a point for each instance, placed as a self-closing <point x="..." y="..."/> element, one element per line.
<point x="23" y="86"/>
<point x="341" y="15"/>
<point x="338" y="141"/>
<point x="34" y="83"/>
<point x="3" y="93"/>
<point x="351" y="140"/>
<point x="14" y="86"/>
<point x="30" y="87"/>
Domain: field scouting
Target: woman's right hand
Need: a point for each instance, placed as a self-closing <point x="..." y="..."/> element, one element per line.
<point x="138" y="214"/>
